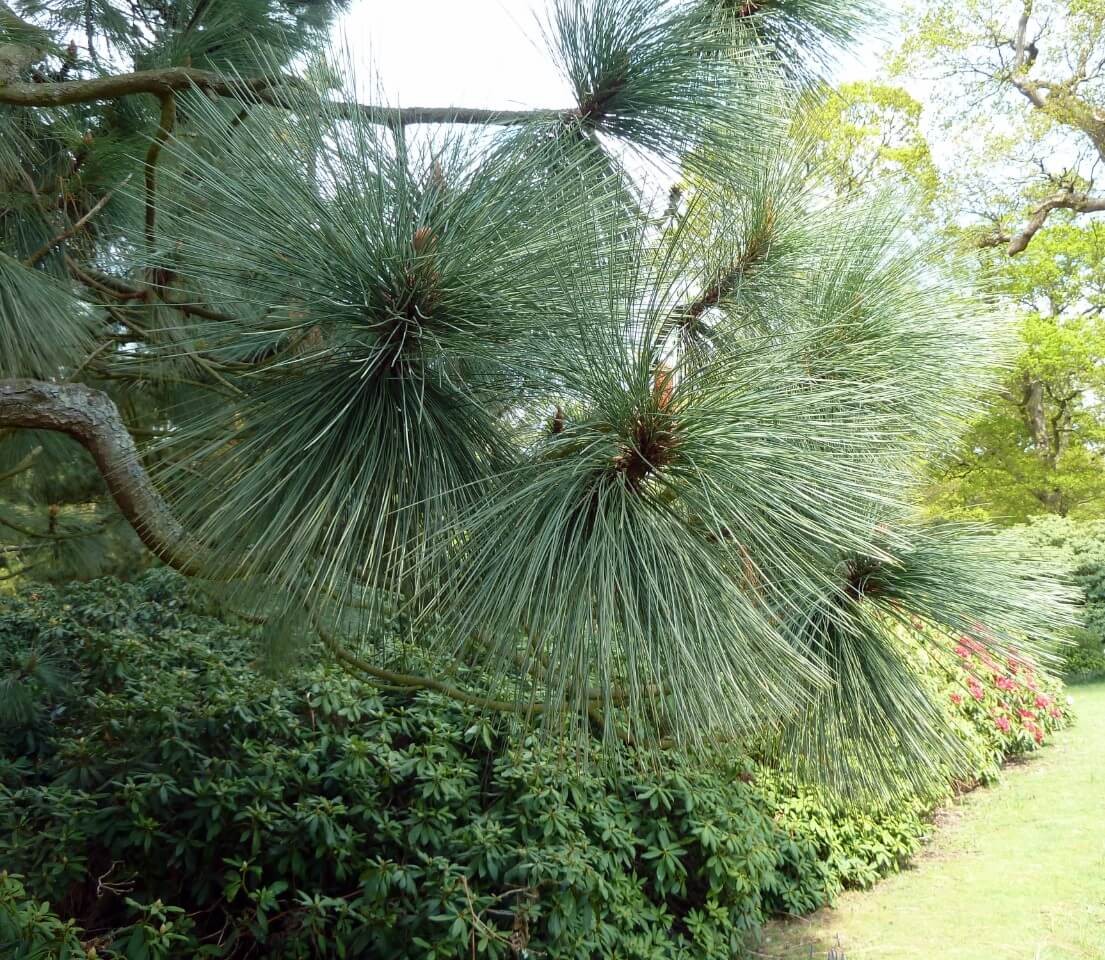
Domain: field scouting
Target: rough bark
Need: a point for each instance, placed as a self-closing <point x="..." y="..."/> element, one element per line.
<point x="92" y="419"/>
<point x="1047" y="439"/>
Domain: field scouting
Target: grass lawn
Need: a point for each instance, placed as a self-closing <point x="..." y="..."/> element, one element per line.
<point x="1014" y="872"/>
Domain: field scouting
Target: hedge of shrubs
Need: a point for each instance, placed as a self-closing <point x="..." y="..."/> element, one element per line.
<point x="1081" y="545"/>
<point x="162" y="798"/>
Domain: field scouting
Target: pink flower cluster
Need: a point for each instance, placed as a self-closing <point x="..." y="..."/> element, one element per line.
<point x="1017" y="705"/>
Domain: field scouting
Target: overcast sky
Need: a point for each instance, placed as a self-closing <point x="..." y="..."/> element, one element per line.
<point x="479" y="53"/>
<point x="472" y="53"/>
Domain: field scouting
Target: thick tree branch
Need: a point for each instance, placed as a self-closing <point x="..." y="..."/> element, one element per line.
<point x="272" y="91"/>
<point x="92" y="419"/>
<point x="1066" y="200"/>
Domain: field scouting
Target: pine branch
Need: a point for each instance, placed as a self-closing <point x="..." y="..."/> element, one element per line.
<point x="164" y="131"/>
<point x="33" y="534"/>
<point x="92" y="419"/>
<point x="409" y="681"/>
<point x="270" y="91"/>
<point x="754" y="249"/>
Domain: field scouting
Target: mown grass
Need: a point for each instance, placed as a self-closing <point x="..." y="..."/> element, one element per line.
<point x="1015" y="872"/>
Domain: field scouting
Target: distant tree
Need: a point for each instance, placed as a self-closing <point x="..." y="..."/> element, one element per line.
<point x="1019" y="85"/>
<point x="435" y="386"/>
<point x="1010" y="90"/>
<point x="868" y="136"/>
<point x="1039" y="448"/>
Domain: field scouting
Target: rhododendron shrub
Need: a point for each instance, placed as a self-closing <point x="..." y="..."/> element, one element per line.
<point x="1006" y="706"/>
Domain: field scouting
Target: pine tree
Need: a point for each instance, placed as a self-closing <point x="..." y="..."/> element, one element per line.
<point x="453" y="391"/>
<point x="68" y="215"/>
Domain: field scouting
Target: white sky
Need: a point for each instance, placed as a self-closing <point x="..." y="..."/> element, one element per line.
<point x="470" y="53"/>
<point x="483" y="53"/>
<point x="491" y="53"/>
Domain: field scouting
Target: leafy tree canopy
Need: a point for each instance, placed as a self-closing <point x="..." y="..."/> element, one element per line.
<point x="869" y="136"/>
<point x="1018" y="85"/>
<point x="1038" y="449"/>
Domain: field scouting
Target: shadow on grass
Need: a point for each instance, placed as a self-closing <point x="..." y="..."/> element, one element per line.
<point x="789" y="943"/>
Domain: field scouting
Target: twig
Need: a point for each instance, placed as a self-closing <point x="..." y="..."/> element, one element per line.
<point x="164" y="131"/>
<point x="115" y="888"/>
<point x="23" y="465"/>
<point x="267" y="90"/>
<point x="66" y="234"/>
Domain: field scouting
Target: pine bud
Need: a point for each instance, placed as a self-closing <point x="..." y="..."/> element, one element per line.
<point x="438" y="176"/>
<point x="663" y="385"/>
<point x="423" y="240"/>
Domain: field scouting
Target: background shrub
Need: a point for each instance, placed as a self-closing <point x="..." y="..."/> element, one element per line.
<point x="1081" y="545"/>
<point x="177" y="802"/>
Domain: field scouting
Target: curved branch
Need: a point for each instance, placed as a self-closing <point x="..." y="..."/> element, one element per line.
<point x="1067" y="200"/>
<point x="411" y="682"/>
<point x="266" y="90"/>
<point x="92" y="419"/>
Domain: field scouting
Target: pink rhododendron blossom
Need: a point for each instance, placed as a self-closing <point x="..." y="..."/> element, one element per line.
<point x="1002" y="723"/>
<point x="962" y="651"/>
<point x="1042" y="701"/>
<point x="1055" y="712"/>
<point x="1005" y="683"/>
<point x="1027" y="714"/>
<point x="957" y="699"/>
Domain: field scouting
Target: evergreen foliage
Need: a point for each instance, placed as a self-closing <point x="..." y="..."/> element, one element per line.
<point x="454" y="400"/>
<point x="1080" y="548"/>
